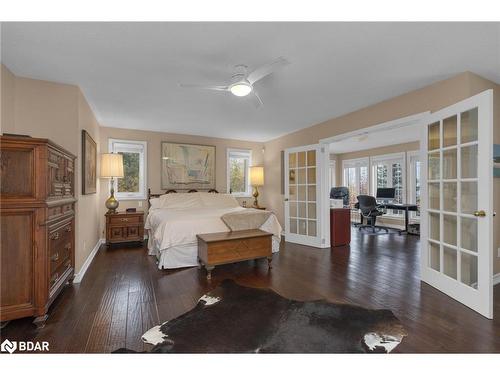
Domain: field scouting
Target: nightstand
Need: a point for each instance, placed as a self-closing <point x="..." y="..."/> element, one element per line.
<point x="124" y="227"/>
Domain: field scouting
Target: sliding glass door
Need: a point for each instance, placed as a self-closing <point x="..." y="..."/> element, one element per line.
<point x="356" y="178"/>
<point x="389" y="171"/>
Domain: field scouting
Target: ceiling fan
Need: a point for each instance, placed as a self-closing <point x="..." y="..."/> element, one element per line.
<point x="242" y="82"/>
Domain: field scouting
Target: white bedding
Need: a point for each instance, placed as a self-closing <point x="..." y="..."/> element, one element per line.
<point x="172" y="231"/>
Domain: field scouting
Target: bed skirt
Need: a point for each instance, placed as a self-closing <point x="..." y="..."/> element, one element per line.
<point x="185" y="255"/>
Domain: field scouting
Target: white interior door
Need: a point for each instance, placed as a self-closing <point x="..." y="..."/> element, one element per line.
<point x="305" y="195"/>
<point x="457" y="197"/>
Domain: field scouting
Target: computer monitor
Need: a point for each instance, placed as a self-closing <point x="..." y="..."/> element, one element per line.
<point x="340" y="192"/>
<point x="386" y="193"/>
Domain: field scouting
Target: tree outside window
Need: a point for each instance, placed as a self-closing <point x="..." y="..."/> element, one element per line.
<point x="238" y="167"/>
<point x="130" y="182"/>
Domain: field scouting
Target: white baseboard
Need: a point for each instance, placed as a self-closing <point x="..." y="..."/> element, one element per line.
<point x="496" y="279"/>
<point x="88" y="261"/>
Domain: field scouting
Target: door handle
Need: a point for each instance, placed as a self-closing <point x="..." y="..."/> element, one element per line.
<point x="479" y="213"/>
<point x="286" y="199"/>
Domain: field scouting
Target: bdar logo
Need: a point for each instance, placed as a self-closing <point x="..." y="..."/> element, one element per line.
<point x="8" y="346"/>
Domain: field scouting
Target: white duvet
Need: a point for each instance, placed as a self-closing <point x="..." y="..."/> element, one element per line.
<point x="172" y="232"/>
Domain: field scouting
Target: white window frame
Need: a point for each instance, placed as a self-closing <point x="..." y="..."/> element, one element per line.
<point x="389" y="158"/>
<point x="246" y="152"/>
<point x="411" y="158"/>
<point x="356" y="163"/>
<point x="122" y="145"/>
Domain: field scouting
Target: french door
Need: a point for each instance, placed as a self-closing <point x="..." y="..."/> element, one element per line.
<point x="306" y="198"/>
<point x="457" y="211"/>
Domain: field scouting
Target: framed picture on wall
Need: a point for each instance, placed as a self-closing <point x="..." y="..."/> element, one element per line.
<point x="187" y="166"/>
<point x="89" y="164"/>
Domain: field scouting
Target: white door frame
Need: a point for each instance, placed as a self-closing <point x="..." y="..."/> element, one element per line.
<point x="412" y="120"/>
<point x="481" y="299"/>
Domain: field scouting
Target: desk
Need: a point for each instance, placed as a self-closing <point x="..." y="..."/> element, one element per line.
<point x="406" y="207"/>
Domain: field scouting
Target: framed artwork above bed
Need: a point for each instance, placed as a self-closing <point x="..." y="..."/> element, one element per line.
<point x="187" y="166"/>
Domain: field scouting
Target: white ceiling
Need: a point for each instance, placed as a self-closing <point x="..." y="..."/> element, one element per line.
<point x="129" y="72"/>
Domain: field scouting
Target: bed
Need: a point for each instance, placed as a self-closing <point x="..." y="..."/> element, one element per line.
<point x="175" y="219"/>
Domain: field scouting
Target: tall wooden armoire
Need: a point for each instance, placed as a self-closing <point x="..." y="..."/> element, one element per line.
<point x="37" y="206"/>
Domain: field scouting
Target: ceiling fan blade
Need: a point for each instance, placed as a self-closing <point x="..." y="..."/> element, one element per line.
<point x="267" y="69"/>
<point x="256" y="100"/>
<point x="203" y="87"/>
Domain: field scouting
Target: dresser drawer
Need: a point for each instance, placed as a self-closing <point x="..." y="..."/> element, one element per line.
<point x="59" y="254"/>
<point x="60" y="234"/>
<point x="61" y="210"/>
<point x="125" y="219"/>
<point x="59" y="273"/>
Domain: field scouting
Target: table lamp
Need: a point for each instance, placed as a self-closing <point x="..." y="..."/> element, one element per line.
<point x="256" y="180"/>
<point x="112" y="167"/>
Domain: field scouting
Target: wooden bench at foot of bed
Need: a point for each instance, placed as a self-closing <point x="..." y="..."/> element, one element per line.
<point x="230" y="247"/>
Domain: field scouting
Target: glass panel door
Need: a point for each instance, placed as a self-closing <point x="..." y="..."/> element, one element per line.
<point x="302" y="195"/>
<point x="457" y="216"/>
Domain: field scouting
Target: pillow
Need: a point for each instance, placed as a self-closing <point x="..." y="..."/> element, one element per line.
<point x="180" y="200"/>
<point x="155" y="203"/>
<point x="218" y="200"/>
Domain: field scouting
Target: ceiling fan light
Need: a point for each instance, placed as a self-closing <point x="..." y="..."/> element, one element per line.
<point x="240" y="89"/>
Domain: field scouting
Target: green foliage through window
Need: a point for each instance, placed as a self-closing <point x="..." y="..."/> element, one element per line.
<point x="130" y="182"/>
<point x="238" y="168"/>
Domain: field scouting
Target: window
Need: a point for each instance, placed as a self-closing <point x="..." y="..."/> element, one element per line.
<point x="238" y="176"/>
<point x="414" y="167"/>
<point x="133" y="184"/>
<point x="389" y="171"/>
<point x="355" y="177"/>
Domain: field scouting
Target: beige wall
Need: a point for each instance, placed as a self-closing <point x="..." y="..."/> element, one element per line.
<point x="154" y="140"/>
<point x="58" y="112"/>
<point x="7" y="99"/>
<point x="87" y="218"/>
<point x="429" y="98"/>
<point x="402" y="147"/>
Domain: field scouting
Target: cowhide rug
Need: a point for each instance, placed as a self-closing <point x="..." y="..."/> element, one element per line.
<point x="236" y="319"/>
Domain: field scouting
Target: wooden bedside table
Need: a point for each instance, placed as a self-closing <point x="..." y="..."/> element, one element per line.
<point x="124" y="227"/>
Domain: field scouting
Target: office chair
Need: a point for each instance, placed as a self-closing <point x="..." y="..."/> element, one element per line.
<point x="370" y="210"/>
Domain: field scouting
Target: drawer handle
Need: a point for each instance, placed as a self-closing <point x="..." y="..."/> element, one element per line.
<point x="124" y="219"/>
<point x="68" y="228"/>
<point x="54" y="236"/>
<point x="68" y="246"/>
<point x="55" y="257"/>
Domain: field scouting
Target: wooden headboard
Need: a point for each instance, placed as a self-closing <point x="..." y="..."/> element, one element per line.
<point x="150" y="195"/>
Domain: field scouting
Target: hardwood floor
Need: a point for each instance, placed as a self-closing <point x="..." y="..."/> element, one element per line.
<point x="123" y="294"/>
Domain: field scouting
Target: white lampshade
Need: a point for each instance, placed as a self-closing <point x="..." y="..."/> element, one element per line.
<point x="111" y="165"/>
<point x="256" y="176"/>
